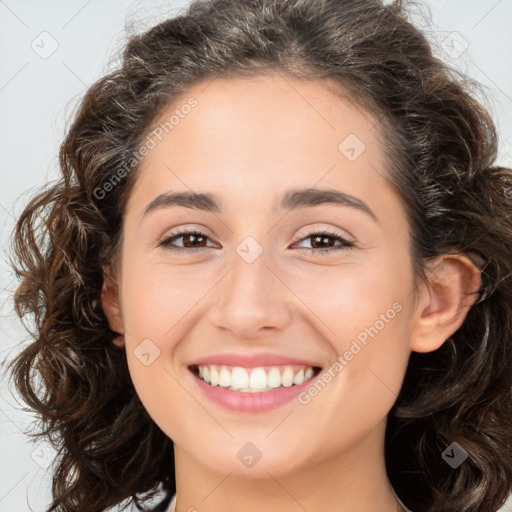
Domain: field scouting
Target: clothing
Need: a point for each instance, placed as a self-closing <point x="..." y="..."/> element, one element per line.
<point x="172" y="504"/>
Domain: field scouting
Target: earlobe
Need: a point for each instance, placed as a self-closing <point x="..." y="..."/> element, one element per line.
<point x="110" y="301"/>
<point x="444" y="301"/>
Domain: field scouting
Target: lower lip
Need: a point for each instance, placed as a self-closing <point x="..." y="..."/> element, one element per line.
<point x="251" y="402"/>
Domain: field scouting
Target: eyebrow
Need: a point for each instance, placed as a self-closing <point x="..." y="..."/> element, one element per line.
<point x="291" y="200"/>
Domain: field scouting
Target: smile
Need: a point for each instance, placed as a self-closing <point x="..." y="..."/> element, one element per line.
<point x="253" y="380"/>
<point x="252" y="390"/>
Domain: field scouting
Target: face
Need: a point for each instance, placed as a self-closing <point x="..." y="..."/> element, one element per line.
<point x="272" y="281"/>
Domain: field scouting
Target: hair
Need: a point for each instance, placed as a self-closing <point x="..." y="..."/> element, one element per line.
<point x="442" y="147"/>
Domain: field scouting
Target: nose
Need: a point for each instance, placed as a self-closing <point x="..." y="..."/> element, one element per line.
<point x="251" y="299"/>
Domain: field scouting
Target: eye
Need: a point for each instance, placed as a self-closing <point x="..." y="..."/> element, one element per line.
<point x="322" y="238"/>
<point x="191" y="241"/>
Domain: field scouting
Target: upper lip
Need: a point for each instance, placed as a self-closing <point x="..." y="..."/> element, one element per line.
<point x="252" y="361"/>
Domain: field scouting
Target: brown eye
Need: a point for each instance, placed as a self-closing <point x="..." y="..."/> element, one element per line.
<point x="192" y="240"/>
<point x="323" y="242"/>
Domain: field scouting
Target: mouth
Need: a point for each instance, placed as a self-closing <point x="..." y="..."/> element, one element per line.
<point x="254" y="380"/>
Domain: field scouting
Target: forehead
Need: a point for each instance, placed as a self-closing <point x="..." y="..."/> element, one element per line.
<point x="261" y="133"/>
<point x="265" y="105"/>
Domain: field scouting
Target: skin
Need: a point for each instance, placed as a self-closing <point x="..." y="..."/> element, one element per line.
<point x="249" y="141"/>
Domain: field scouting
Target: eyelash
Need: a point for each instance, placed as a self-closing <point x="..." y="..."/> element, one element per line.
<point x="345" y="244"/>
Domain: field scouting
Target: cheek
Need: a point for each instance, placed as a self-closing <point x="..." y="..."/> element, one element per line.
<point x="161" y="307"/>
<point x="157" y="296"/>
<point x="365" y="313"/>
<point x="153" y="302"/>
<point x="354" y="300"/>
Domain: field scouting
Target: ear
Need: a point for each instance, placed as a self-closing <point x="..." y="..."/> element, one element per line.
<point x="110" y="301"/>
<point x="444" y="301"/>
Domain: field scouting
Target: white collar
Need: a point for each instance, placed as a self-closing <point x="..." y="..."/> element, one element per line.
<point x="172" y="505"/>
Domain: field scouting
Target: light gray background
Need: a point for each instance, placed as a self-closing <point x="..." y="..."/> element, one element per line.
<point x="38" y="91"/>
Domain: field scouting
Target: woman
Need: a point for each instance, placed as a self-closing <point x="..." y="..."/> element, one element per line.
<point x="275" y="273"/>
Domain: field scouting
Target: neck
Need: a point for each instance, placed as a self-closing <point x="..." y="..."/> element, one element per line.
<point x="349" y="481"/>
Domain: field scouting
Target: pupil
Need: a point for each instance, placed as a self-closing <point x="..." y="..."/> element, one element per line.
<point x="320" y="239"/>
<point x="191" y="236"/>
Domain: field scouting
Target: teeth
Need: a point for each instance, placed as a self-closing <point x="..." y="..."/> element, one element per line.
<point x="298" y="377"/>
<point x="224" y="378"/>
<point x="287" y="377"/>
<point x="239" y="378"/>
<point x="252" y="380"/>
<point x="214" y="376"/>
<point x="274" y="378"/>
<point x="258" y="379"/>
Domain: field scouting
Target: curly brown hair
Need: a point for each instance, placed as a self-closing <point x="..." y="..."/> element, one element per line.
<point x="443" y="145"/>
